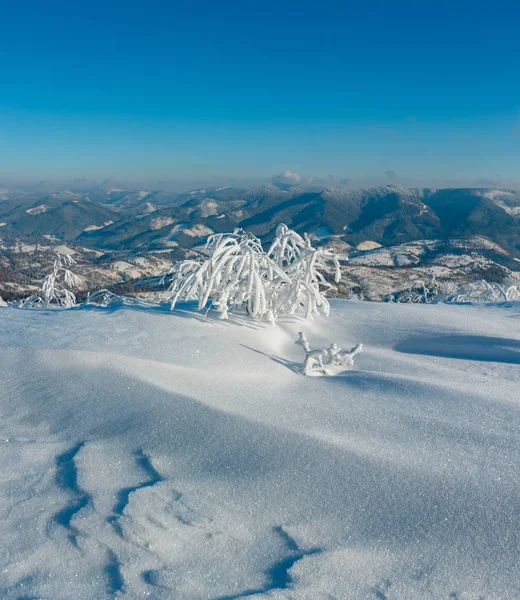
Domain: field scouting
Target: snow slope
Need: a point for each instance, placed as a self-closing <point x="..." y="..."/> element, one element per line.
<point x="145" y="454"/>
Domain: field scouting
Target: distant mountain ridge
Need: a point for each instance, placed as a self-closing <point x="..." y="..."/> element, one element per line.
<point x="392" y="234"/>
<point x="387" y="215"/>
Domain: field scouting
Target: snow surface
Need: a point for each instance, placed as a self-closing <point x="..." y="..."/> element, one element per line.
<point x="38" y="210"/>
<point x="149" y="454"/>
<point x="97" y="227"/>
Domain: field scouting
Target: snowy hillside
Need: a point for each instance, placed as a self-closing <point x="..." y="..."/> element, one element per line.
<point x="149" y="454"/>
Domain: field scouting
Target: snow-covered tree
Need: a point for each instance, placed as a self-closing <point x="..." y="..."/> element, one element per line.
<point x="287" y="279"/>
<point x="56" y="283"/>
<point x="55" y="287"/>
<point x="305" y="267"/>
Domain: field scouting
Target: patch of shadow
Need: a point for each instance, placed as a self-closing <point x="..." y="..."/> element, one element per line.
<point x="295" y="367"/>
<point x="185" y="310"/>
<point x="288" y="364"/>
<point x="67" y="480"/>
<point x="152" y="578"/>
<point x="267" y="215"/>
<point x="278" y="576"/>
<point x="123" y="496"/>
<point x="381" y="589"/>
<point x="112" y="571"/>
<point x="464" y="347"/>
<point x="26" y="582"/>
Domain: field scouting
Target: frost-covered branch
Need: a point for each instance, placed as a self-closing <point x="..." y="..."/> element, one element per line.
<point x="326" y="361"/>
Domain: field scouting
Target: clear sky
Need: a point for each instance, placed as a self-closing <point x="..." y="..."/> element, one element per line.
<point x="408" y="90"/>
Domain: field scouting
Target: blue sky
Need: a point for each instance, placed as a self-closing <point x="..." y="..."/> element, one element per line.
<point x="423" y="91"/>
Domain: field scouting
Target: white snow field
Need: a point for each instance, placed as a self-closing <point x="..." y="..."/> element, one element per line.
<point x="150" y="454"/>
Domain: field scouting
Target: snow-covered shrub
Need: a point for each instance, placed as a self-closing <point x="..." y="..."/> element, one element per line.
<point x="417" y="292"/>
<point x="106" y="298"/>
<point x="326" y="361"/>
<point x="55" y="287"/>
<point x="485" y="291"/>
<point x="354" y="293"/>
<point x="287" y="279"/>
<point x="482" y="291"/>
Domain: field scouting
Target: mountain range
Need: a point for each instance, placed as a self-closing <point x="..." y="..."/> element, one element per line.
<point x="136" y="223"/>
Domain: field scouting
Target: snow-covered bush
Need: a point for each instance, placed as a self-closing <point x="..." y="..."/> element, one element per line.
<point x="55" y="287"/>
<point x="328" y="360"/>
<point x="484" y="291"/>
<point x="106" y="298"/>
<point x="287" y="279"/>
<point x="433" y="291"/>
<point x="417" y="292"/>
<point x="354" y="293"/>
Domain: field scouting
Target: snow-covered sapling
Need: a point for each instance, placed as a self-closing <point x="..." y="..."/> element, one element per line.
<point x="55" y="286"/>
<point x="313" y="358"/>
<point x="317" y="361"/>
<point x="344" y="358"/>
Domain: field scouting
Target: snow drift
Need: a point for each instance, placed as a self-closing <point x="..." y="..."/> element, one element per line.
<point x="145" y="453"/>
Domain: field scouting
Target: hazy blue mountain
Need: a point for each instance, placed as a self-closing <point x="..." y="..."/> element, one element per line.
<point x="388" y="215"/>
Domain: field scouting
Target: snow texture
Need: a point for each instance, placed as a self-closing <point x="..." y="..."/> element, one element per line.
<point x="150" y="454"/>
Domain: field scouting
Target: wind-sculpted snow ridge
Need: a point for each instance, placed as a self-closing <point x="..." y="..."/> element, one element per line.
<point x="150" y="454"/>
<point x="67" y="479"/>
<point x="123" y="495"/>
<point x="278" y="575"/>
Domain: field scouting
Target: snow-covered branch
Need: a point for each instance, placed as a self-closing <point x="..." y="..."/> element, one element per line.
<point x="326" y="361"/>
